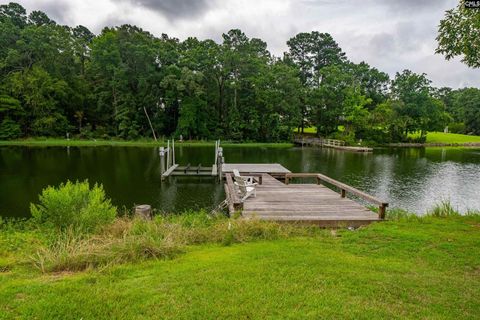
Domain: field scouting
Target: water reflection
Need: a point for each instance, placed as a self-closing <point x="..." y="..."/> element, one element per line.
<point x="413" y="179"/>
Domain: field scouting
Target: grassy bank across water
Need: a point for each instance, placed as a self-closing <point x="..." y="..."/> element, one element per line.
<point x="449" y="138"/>
<point x="409" y="267"/>
<point x="434" y="139"/>
<point x="137" y="143"/>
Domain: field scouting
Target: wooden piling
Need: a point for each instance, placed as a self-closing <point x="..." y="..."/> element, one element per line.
<point x="162" y="160"/>
<point x="144" y="211"/>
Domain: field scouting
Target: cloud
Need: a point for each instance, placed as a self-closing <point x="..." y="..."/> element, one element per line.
<point x="56" y="10"/>
<point x="412" y="6"/>
<point x="173" y="9"/>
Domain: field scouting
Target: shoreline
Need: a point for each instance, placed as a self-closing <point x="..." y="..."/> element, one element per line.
<point x="32" y="142"/>
<point x="432" y="144"/>
<point x="135" y="143"/>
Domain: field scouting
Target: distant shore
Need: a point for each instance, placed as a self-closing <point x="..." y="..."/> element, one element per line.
<point x="429" y="144"/>
<point x="52" y="142"/>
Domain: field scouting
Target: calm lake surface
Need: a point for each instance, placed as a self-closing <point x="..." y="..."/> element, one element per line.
<point x="413" y="179"/>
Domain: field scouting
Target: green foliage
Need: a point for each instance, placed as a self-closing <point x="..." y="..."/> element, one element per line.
<point x="74" y="205"/>
<point x="9" y="105"/>
<point x="13" y="12"/>
<point x="457" y="127"/>
<point x="126" y="83"/>
<point x="458" y="35"/>
<point x="470" y="99"/>
<point x="9" y="129"/>
<point x="50" y="125"/>
<point x="414" y="107"/>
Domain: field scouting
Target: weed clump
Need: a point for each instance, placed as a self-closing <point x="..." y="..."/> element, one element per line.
<point x="74" y="205"/>
<point x="443" y="209"/>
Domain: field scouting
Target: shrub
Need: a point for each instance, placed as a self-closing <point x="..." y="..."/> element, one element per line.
<point x="54" y="124"/>
<point x="9" y="129"/>
<point x="74" y="205"/>
<point x="457" y="127"/>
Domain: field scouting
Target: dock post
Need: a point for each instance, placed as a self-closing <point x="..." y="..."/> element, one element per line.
<point x="162" y="160"/>
<point x="168" y="154"/>
<point x="144" y="211"/>
<point x="219" y="162"/>
<point x="381" y="211"/>
<point x="173" y="151"/>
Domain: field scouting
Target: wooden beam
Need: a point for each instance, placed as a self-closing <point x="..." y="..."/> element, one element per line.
<point x="233" y="194"/>
<point x="169" y="171"/>
<point x="258" y="176"/>
<point x="231" y="208"/>
<point x="352" y="190"/>
<point x="191" y="173"/>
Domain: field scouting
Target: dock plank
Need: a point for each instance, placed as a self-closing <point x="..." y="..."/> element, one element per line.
<point x="270" y="168"/>
<point x="169" y="171"/>
<point x="305" y="203"/>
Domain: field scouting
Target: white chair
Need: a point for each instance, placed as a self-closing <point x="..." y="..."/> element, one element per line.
<point x="248" y="179"/>
<point x="246" y="189"/>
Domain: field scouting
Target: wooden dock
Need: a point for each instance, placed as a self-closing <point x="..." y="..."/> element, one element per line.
<point x="328" y="143"/>
<point x="304" y="203"/>
<point x="276" y="200"/>
<point x="273" y="169"/>
<point x="167" y="158"/>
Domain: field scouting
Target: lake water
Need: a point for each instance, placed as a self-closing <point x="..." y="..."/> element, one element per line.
<point x="413" y="179"/>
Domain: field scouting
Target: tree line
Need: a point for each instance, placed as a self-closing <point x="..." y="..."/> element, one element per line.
<point x="126" y="83"/>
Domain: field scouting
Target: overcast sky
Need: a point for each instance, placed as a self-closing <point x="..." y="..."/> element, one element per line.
<point x="390" y="35"/>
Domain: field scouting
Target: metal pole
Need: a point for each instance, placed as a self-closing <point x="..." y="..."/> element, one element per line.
<point x="173" y="151"/>
<point x="168" y="154"/>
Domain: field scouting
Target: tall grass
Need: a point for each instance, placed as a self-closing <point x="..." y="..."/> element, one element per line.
<point x="134" y="239"/>
<point x="443" y="209"/>
<point x="73" y="252"/>
<point x="166" y="236"/>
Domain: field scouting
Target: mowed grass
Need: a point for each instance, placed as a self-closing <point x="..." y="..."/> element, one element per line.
<point x="306" y="130"/>
<point x="135" y="143"/>
<point x="440" y="137"/>
<point x="448" y="138"/>
<point x="408" y="269"/>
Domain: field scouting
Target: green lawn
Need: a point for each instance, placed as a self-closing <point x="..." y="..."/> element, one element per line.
<point x="448" y="138"/>
<point x="137" y="143"/>
<point x="416" y="268"/>
<point x="440" y="137"/>
<point x="306" y="130"/>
